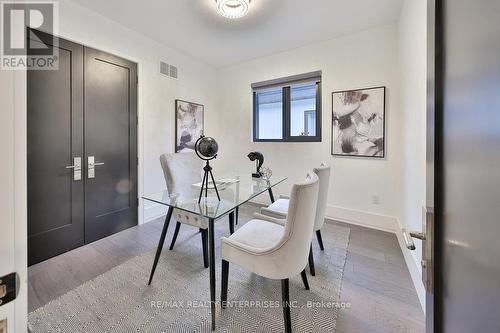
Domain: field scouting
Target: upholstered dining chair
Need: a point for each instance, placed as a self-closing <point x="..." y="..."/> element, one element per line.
<point x="276" y="250"/>
<point x="181" y="170"/>
<point x="279" y="208"/>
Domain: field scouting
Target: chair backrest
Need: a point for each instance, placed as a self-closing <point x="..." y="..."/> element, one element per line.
<point x="181" y="170"/>
<point x="323" y="173"/>
<point x="294" y="245"/>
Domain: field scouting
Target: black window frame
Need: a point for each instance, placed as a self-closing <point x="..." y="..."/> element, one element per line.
<point x="286" y="84"/>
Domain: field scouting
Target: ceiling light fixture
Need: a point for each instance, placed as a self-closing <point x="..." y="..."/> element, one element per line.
<point x="233" y="9"/>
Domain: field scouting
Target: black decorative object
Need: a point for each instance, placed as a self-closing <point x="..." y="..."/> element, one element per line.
<point x="259" y="158"/>
<point x="206" y="148"/>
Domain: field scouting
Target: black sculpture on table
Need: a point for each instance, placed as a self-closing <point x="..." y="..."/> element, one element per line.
<point x="259" y="158"/>
<point x="206" y="148"/>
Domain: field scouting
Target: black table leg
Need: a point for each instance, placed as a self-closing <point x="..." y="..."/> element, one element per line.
<point x="237" y="214"/>
<point x="231" y="222"/>
<point x="160" y="243"/>
<point x="271" y="195"/>
<point x="211" y="236"/>
<point x="204" y="242"/>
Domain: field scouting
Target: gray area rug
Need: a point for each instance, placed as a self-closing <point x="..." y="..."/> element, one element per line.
<point x="178" y="299"/>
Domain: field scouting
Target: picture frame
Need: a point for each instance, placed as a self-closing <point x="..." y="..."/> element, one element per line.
<point x="358" y="122"/>
<point x="189" y="124"/>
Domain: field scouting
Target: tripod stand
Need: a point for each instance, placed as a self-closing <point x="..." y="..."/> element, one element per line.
<point x="204" y="184"/>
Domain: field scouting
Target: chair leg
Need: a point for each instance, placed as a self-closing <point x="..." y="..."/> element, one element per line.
<point x="320" y="240"/>
<point x="176" y="232"/>
<point x="204" y="240"/>
<point x="231" y="222"/>
<point x="304" y="279"/>
<point x="237" y="214"/>
<point x="311" y="261"/>
<point x="285" y="297"/>
<point x="224" y="281"/>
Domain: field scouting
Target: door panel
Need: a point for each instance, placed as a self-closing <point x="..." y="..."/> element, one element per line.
<point x="55" y="137"/>
<point x="468" y="147"/>
<point x="433" y="102"/>
<point x="111" y="138"/>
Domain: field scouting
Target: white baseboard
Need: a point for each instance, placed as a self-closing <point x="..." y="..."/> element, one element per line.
<point x="413" y="265"/>
<point x="362" y="218"/>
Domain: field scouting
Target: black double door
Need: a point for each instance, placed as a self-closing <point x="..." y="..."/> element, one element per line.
<point x="82" y="149"/>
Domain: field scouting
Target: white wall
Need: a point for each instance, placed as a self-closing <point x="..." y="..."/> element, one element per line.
<point x="361" y="60"/>
<point x="13" y="202"/>
<point x="413" y="76"/>
<point x="157" y="93"/>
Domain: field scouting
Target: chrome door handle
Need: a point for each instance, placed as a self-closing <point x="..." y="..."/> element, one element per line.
<point x="417" y="235"/>
<point x="91" y="164"/>
<point x="407" y="236"/>
<point x="76" y="167"/>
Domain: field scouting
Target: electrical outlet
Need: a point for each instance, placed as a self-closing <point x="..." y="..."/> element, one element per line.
<point x="376" y="200"/>
<point x="3" y="326"/>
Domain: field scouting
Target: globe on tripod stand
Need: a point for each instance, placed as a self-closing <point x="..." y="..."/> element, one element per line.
<point x="206" y="148"/>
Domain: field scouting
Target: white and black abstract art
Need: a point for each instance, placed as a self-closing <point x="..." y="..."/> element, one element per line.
<point x="189" y="119"/>
<point x="358" y="126"/>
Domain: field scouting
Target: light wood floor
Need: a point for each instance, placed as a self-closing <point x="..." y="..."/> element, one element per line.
<point x="376" y="282"/>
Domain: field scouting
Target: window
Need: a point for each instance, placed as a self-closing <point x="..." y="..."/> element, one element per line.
<point x="288" y="109"/>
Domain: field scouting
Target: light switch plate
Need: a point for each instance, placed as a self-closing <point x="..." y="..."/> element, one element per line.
<point x="3" y="326"/>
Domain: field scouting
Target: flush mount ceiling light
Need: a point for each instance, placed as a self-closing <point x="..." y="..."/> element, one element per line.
<point x="233" y="8"/>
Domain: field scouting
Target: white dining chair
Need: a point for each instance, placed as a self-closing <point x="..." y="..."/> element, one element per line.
<point x="181" y="171"/>
<point x="276" y="250"/>
<point x="279" y="208"/>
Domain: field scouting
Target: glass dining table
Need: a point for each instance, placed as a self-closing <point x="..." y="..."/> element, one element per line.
<point x="234" y="190"/>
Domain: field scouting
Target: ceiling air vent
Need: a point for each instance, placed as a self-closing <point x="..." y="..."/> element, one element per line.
<point x="168" y="70"/>
<point x="173" y="71"/>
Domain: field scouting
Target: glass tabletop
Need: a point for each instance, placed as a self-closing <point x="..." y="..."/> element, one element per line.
<point x="234" y="190"/>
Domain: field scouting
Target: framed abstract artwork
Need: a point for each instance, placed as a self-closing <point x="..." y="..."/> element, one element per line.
<point x="189" y="125"/>
<point x="358" y="122"/>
